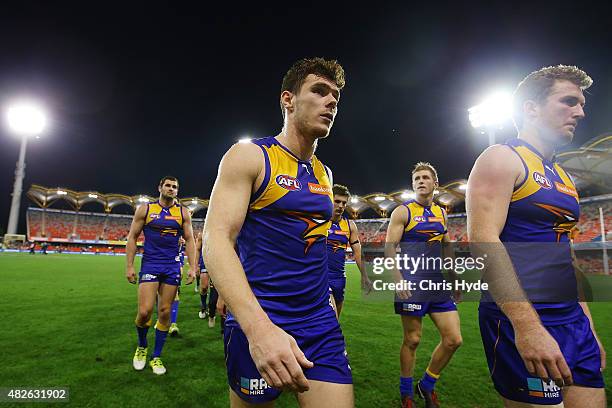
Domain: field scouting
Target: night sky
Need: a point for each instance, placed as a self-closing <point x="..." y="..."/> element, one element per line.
<point x="139" y="91"/>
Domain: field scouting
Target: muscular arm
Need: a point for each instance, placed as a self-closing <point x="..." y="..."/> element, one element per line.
<point x="489" y="192"/>
<point x="190" y="247"/>
<point x="356" y="247"/>
<point x="395" y="230"/>
<point x="130" y="248"/>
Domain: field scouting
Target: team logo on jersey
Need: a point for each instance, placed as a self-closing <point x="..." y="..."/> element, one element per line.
<point x="288" y="182"/>
<point x="319" y="189"/>
<point x="316" y="227"/>
<point x="542" y="180"/>
<point x="542" y="388"/>
<point x="566" y="220"/>
<point x="253" y="386"/>
<point x="432" y="235"/>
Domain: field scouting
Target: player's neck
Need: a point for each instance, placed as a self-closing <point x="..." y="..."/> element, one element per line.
<point x="425" y="201"/>
<point x="301" y="145"/>
<point x="165" y="202"/>
<point x="532" y="136"/>
<point x="336" y="218"/>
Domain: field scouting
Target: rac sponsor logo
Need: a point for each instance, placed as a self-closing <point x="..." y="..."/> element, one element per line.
<point x="148" y="276"/>
<point x="253" y="386"/>
<point x="288" y="182"/>
<point x="542" y="388"/>
<point x="542" y="180"/>
<point x="562" y="188"/>
<point x="319" y="189"/>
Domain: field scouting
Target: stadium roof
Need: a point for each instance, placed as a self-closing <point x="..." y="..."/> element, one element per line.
<point x="44" y="197"/>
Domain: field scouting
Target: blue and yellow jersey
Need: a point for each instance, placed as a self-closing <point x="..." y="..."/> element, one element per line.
<point x="542" y="212"/>
<point x="162" y="230"/>
<point x="282" y="243"/>
<point x="424" y="231"/>
<point x="337" y="244"/>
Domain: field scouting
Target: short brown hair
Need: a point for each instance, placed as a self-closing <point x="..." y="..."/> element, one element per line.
<point x="537" y="85"/>
<point x="328" y="69"/>
<point x="339" y="189"/>
<point x="171" y="178"/>
<point x="426" y="166"/>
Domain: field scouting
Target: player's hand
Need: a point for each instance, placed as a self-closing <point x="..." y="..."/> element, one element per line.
<point x="542" y="356"/>
<point x="278" y="357"/>
<point x="366" y="284"/>
<point x="457" y="296"/>
<point x="130" y="275"/>
<point x="190" y="276"/>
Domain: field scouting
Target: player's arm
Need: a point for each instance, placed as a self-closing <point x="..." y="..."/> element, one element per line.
<point x="489" y="191"/>
<point x="275" y="353"/>
<point x="395" y="230"/>
<point x="130" y="248"/>
<point x="190" y="248"/>
<point x="355" y="244"/>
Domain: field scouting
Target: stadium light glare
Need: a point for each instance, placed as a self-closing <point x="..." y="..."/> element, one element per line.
<point x="244" y="140"/>
<point x="492" y="113"/>
<point x="26" y="118"/>
<point x="462" y="187"/>
<point x="436" y="192"/>
<point x="407" y="195"/>
<point x="92" y="195"/>
<point x="379" y="198"/>
<point x="61" y="192"/>
<point x="354" y="200"/>
<point x="23" y="118"/>
<point x="194" y="201"/>
<point x="143" y="200"/>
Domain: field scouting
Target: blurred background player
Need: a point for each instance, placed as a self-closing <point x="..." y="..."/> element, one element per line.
<point x="163" y="223"/>
<point x="543" y="352"/>
<point x="423" y="222"/>
<point x="174" y="330"/>
<point x="204" y="279"/>
<point x="273" y="198"/>
<point x="342" y="233"/>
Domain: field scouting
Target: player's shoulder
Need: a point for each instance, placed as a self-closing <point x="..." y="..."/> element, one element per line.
<point x="401" y="211"/>
<point x="499" y="158"/>
<point x="243" y="158"/>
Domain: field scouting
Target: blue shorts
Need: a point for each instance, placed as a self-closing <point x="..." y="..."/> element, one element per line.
<point x="169" y="274"/>
<point x="337" y="286"/>
<point x="321" y="341"/>
<point x="510" y="377"/>
<point x="422" y="308"/>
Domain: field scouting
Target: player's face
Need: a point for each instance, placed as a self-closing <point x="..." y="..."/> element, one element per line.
<point x="339" y="205"/>
<point x="423" y="183"/>
<point x="558" y="117"/>
<point x="169" y="189"/>
<point x="316" y="105"/>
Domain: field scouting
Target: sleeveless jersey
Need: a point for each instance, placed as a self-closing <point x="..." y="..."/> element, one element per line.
<point x="543" y="210"/>
<point x="337" y="244"/>
<point x="282" y="243"/>
<point x="162" y="229"/>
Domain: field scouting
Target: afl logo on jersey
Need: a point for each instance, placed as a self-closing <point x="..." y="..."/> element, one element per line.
<point x="154" y="216"/>
<point x="420" y="218"/>
<point x="288" y="182"/>
<point x="542" y="180"/>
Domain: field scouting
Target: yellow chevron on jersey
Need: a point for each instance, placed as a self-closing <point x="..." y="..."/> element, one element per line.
<point x="155" y="214"/>
<point x="338" y="235"/>
<point x="425" y="223"/>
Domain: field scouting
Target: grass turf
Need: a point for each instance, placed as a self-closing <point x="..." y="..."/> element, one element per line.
<point x="69" y="322"/>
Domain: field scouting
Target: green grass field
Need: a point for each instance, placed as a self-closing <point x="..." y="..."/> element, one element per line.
<point x="69" y="322"/>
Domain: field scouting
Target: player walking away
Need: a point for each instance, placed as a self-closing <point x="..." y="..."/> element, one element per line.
<point x="163" y="222"/>
<point x="273" y="198"/>
<point x="174" y="329"/>
<point x="540" y="353"/>
<point x="204" y="279"/>
<point x="342" y="233"/>
<point x="420" y="226"/>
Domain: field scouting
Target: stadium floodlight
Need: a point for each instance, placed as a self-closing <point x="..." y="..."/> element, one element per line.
<point x="462" y="187"/>
<point x="92" y="195"/>
<point x="194" y="201"/>
<point x="354" y="200"/>
<point x="492" y="113"/>
<point x="407" y="195"/>
<point x="24" y="118"/>
<point x="379" y="198"/>
<point x="61" y="192"/>
<point x="143" y="199"/>
<point x="436" y="192"/>
<point x="244" y="140"/>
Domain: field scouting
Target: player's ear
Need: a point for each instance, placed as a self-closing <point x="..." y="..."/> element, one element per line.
<point x="530" y="109"/>
<point x="286" y="100"/>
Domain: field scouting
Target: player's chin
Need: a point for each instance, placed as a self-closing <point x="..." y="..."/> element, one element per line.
<point x="321" y="131"/>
